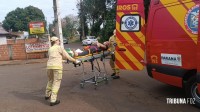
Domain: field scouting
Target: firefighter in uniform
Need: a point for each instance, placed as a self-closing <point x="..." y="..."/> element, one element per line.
<point x="112" y="43"/>
<point x="54" y="70"/>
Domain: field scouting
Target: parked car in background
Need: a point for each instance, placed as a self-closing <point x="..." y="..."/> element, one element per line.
<point x="89" y="40"/>
<point x="65" y="41"/>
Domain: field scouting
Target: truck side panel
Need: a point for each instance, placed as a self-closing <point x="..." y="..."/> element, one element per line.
<point x="172" y="40"/>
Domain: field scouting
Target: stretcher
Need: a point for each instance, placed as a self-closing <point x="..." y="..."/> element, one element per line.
<point x="97" y="74"/>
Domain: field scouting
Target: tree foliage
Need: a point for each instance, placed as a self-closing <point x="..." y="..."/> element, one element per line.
<point x="110" y="20"/>
<point x="18" y="19"/>
<point x="69" y="26"/>
<point x="99" y="17"/>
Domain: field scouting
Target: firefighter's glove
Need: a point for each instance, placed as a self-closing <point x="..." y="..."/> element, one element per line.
<point x="66" y="61"/>
<point x="77" y="61"/>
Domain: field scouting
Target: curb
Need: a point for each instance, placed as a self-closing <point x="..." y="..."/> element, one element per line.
<point x="22" y="62"/>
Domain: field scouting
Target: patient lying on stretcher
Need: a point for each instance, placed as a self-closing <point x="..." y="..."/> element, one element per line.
<point x="94" y="48"/>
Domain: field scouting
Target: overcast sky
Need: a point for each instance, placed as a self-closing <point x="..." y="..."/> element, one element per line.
<point x="66" y="7"/>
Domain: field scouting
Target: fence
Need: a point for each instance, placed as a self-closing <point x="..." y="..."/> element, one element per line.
<point x="16" y="50"/>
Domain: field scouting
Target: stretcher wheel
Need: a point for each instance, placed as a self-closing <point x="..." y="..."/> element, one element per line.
<point x="96" y="85"/>
<point x="75" y="65"/>
<point x="106" y="80"/>
<point x="101" y="59"/>
<point x="81" y="85"/>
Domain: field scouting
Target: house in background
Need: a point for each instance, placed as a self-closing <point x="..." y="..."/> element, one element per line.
<point x="18" y="35"/>
<point x="13" y="35"/>
<point x="3" y="35"/>
<point x="17" y="46"/>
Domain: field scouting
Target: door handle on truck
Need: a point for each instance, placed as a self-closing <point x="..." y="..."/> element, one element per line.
<point x="121" y="49"/>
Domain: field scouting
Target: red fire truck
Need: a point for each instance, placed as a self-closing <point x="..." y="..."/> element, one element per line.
<point x="169" y="38"/>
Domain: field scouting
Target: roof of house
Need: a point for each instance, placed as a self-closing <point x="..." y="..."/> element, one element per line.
<point x="17" y="34"/>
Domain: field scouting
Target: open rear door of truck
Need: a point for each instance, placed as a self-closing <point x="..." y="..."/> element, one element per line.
<point x="130" y="32"/>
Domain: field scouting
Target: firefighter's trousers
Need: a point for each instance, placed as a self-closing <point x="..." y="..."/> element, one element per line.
<point x="112" y="64"/>
<point x="53" y="85"/>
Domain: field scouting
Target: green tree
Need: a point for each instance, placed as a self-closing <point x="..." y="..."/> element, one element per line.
<point x="83" y="19"/>
<point x="99" y="17"/>
<point x="95" y="14"/>
<point x="110" y="20"/>
<point x="19" y="18"/>
<point x="69" y="26"/>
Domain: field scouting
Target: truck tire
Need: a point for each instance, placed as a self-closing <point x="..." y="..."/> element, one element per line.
<point x="191" y="90"/>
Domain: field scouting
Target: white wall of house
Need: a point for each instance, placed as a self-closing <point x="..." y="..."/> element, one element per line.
<point x="3" y="40"/>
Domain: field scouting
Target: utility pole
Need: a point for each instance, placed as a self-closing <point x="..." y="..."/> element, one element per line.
<point x="82" y="20"/>
<point x="56" y="7"/>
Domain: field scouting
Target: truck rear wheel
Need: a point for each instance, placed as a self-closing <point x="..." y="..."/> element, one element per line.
<point x="191" y="90"/>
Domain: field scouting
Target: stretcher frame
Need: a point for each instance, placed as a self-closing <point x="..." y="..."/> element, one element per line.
<point x="98" y="75"/>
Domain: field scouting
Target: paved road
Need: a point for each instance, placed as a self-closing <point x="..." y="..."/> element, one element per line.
<point x="22" y="90"/>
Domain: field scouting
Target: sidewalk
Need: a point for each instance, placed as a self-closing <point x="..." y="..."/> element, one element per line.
<point x="20" y="62"/>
